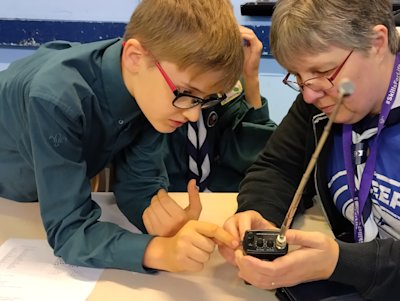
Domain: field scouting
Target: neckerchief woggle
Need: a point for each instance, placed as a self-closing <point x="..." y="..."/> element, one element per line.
<point x="360" y="196"/>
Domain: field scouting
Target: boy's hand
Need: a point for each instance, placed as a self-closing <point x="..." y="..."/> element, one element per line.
<point x="164" y="217"/>
<point x="189" y="249"/>
<point x="252" y="52"/>
<point x="252" y="55"/>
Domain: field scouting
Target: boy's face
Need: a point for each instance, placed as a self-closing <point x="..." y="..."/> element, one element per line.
<point x="154" y="96"/>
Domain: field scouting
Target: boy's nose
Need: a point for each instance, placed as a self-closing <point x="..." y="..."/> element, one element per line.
<point x="192" y="114"/>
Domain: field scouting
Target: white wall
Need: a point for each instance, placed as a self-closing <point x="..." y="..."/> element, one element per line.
<point x="71" y="10"/>
<point x="84" y="10"/>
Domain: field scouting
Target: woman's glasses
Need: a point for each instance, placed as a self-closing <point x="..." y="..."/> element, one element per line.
<point x="317" y="84"/>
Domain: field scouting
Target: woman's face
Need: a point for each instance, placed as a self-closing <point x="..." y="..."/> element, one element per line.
<point x="365" y="72"/>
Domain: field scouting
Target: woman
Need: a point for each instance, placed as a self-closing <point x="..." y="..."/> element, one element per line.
<point x="320" y="43"/>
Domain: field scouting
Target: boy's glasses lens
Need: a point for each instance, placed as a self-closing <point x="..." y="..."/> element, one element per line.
<point x="187" y="102"/>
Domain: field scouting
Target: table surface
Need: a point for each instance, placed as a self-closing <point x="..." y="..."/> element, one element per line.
<point x="217" y="281"/>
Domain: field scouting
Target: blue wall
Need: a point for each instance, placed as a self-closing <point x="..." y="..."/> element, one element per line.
<point x="25" y="24"/>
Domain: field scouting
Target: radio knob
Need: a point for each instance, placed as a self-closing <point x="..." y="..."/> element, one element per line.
<point x="270" y="243"/>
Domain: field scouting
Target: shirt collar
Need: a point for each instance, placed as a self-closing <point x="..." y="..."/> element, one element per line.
<point x="122" y="105"/>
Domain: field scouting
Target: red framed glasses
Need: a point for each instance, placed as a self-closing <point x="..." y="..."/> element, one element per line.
<point x="317" y="84"/>
<point x="184" y="100"/>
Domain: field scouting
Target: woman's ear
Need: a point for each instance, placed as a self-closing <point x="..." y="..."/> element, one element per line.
<point x="133" y="54"/>
<point x="380" y="42"/>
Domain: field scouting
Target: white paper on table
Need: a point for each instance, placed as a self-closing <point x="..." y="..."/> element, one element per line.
<point x="30" y="271"/>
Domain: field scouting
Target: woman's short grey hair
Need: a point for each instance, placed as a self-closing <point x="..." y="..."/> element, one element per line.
<point x="307" y="27"/>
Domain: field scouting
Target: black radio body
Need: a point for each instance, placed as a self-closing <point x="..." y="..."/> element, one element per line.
<point x="262" y="244"/>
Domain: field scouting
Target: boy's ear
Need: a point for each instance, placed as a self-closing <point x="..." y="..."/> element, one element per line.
<point x="133" y="55"/>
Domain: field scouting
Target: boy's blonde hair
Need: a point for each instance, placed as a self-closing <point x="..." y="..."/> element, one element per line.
<point x="202" y="34"/>
<point x="307" y="27"/>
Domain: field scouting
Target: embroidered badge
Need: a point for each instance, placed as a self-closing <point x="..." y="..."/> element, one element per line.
<point x="57" y="139"/>
<point x="235" y="92"/>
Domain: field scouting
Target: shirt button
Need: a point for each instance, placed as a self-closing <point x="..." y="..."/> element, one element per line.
<point x="120" y="122"/>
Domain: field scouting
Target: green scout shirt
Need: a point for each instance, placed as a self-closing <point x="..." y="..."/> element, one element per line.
<point x="235" y="140"/>
<point x="65" y="113"/>
<point x="237" y="137"/>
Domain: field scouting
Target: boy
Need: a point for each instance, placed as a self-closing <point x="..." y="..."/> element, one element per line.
<point x="229" y="135"/>
<point x="68" y="110"/>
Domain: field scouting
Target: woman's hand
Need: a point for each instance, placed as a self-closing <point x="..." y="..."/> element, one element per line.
<point x="237" y="226"/>
<point x="315" y="258"/>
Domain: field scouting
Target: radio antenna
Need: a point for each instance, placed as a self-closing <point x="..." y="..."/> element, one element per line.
<point x="346" y="88"/>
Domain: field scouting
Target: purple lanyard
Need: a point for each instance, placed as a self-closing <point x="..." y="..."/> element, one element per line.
<point x="360" y="196"/>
